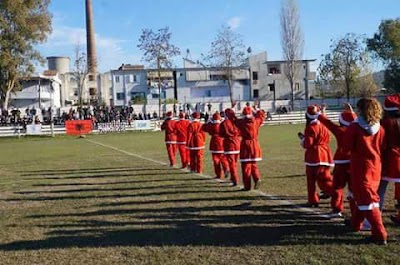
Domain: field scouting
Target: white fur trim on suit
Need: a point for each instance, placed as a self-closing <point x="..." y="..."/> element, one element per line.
<point x="250" y="159"/>
<point x="215" y="121"/>
<point x="368" y="207"/>
<point x="314" y="121"/>
<point x="231" y="152"/>
<point x="196" y="148"/>
<point x="216" y="152"/>
<point x="395" y="180"/>
<point x="180" y="142"/>
<point x="342" y="121"/>
<point x="319" y="164"/>
<point x="170" y="142"/>
<point x="341" y="162"/>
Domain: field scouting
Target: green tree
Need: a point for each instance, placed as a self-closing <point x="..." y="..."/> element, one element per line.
<point x="385" y="45"/>
<point x="342" y="66"/>
<point x="23" y="24"/>
<point x="227" y="53"/>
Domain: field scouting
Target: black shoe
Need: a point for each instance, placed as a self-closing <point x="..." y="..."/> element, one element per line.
<point x="257" y="184"/>
<point x="323" y="196"/>
<point x="244" y="189"/>
<point x="347" y="222"/>
<point x="312" y="205"/>
<point x="397" y="206"/>
<point x="371" y="240"/>
<point x="395" y="219"/>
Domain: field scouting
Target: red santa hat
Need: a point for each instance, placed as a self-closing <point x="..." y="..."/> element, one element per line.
<point x="216" y="116"/>
<point x="229" y="113"/>
<point x="347" y="117"/>
<point x="181" y="115"/>
<point x="247" y="112"/>
<point x="392" y="103"/>
<point x="169" y="114"/>
<point x="196" y="115"/>
<point x="313" y="112"/>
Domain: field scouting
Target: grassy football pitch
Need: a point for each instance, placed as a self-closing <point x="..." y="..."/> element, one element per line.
<point x="110" y="199"/>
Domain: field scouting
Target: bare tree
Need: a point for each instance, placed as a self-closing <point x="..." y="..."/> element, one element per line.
<point x="292" y="42"/>
<point x="227" y="52"/>
<point x="158" y="50"/>
<point x="80" y="74"/>
<point x="156" y="45"/>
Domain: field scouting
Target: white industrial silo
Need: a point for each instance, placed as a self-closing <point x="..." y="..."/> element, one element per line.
<point x="59" y="64"/>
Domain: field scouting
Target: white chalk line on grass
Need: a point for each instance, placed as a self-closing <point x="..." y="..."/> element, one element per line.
<point x="258" y="192"/>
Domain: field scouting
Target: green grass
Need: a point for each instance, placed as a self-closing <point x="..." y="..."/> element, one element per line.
<point x="70" y="201"/>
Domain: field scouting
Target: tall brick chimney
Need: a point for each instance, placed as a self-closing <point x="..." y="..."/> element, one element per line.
<point x="91" y="49"/>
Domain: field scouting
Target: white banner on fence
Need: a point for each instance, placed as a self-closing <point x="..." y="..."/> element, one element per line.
<point x="142" y="125"/>
<point x="33" y="129"/>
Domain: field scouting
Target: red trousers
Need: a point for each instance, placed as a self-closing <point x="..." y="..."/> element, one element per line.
<point x="250" y="169"/>
<point x="322" y="176"/>
<point x="225" y="164"/>
<point x="184" y="154"/>
<point x="374" y="217"/>
<point x="220" y="165"/>
<point x="232" y="162"/>
<point x="171" y="150"/>
<point x="341" y="176"/>
<point x="196" y="160"/>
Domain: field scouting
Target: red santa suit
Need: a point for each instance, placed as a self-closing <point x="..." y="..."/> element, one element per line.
<point x="391" y="162"/>
<point x="341" y="159"/>
<point x="216" y="145"/>
<point x="318" y="156"/>
<point x="181" y="128"/>
<point x="170" y="137"/>
<point x="231" y="136"/>
<point x="366" y="144"/>
<point x="196" y="143"/>
<point x="250" y="151"/>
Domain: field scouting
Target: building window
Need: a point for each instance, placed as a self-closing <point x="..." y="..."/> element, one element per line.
<point x="117" y="79"/>
<point x="255" y="93"/>
<point x="76" y="92"/>
<point x="297" y="86"/>
<point x="255" y="75"/>
<point x="92" y="91"/>
<point x="274" y="69"/>
<point x="91" y="77"/>
<point x="120" y="96"/>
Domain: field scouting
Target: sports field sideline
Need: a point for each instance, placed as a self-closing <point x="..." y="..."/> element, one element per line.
<point x="111" y="199"/>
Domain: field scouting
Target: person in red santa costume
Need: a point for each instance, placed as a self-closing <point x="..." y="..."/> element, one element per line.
<point x="250" y="151"/>
<point x="216" y="145"/>
<point x="170" y="137"/>
<point x="196" y="143"/>
<point x="365" y="140"/>
<point x="391" y="162"/>
<point x="341" y="159"/>
<point x="318" y="156"/>
<point x="231" y="135"/>
<point x="181" y="128"/>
